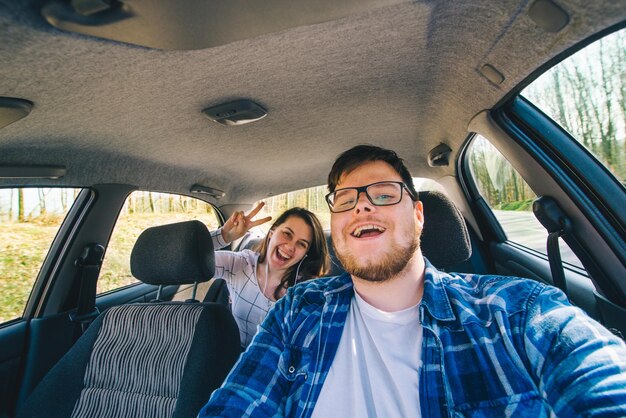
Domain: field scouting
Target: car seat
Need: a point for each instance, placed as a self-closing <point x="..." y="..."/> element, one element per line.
<point x="159" y="359"/>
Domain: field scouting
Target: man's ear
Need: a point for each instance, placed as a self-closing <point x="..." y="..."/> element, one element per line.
<point x="419" y="212"/>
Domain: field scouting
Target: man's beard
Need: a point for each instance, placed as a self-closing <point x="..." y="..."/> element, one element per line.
<point x="392" y="263"/>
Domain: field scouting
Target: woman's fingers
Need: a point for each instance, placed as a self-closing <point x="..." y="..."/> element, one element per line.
<point x="260" y="221"/>
<point x="256" y="210"/>
<point x="241" y="223"/>
<point x="248" y="218"/>
<point x="235" y="218"/>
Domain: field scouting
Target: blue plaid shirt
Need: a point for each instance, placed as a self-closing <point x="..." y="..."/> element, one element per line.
<point x="493" y="346"/>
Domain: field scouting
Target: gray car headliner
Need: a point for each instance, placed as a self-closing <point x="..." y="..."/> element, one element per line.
<point x="405" y="76"/>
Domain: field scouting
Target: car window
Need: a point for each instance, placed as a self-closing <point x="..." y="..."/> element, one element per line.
<point x="29" y="220"/>
<point x="510" y="199"/>
<point x="586" y="95"/>
<point x="143" y="210"/>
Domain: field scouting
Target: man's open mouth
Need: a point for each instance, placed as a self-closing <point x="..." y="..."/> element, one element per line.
<point x="365" y="231"/>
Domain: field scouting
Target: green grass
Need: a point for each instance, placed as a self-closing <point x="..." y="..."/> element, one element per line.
<point x="520" y="205"/>
<point x="23" y="247"/>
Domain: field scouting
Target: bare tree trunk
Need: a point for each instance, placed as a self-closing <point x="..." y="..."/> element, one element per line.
<point x="20" y="205"/>
<point x="42" y="202"/>
<point x="11" y="205"/>
<point x="560" y="101"/>
<point x="64" y="200"/>
<point x="583" y="105"/>
<point x="607" y="129"/>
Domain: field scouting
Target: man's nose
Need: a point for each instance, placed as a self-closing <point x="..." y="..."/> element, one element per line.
<point x="363" y="203"/>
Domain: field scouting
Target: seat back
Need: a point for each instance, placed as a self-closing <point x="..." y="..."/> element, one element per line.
<point x="148" y="359"/>
<point x="445" y="240"/>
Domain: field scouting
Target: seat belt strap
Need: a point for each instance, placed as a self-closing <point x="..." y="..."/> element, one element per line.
<point x="556" y="221"/>
<point x="556" y="264"/>
<point x="88" y="268"/>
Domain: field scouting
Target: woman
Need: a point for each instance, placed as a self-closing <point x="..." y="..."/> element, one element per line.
<point x="293" y="250"/>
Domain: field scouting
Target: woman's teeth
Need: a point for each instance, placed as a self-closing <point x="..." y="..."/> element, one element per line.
<point x="282" y="256"/>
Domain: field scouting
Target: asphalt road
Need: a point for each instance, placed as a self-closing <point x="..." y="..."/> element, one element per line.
<point x="524" y="229"/>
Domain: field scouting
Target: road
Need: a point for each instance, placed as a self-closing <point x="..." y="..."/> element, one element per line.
<point x="524" y="229"/>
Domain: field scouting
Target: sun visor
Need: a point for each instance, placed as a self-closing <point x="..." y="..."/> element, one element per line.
<point x="195" y="24"/>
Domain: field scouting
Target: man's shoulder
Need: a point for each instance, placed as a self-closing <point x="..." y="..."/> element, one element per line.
<point x="489" y="284"/>
<point x="482" y="295"/>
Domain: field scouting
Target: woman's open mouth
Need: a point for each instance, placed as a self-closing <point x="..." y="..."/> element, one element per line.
<point x="281" y="256"/>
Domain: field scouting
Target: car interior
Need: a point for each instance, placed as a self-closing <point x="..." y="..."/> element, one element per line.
<point x="193" y="110"/>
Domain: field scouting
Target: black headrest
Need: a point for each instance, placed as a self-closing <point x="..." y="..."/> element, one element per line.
<point x="180" y="253"/>
<point x="445" y="240"/>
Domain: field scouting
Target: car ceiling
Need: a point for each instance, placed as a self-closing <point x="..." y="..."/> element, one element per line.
<point x="407" y="76"/>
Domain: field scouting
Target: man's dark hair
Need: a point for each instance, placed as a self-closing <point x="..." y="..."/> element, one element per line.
<point x="349" y="160"/>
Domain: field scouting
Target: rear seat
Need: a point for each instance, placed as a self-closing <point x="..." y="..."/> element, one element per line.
<point x="445" y="241"/>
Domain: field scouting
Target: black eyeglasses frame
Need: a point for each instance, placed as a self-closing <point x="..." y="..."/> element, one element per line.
<point x="363" y="189"/>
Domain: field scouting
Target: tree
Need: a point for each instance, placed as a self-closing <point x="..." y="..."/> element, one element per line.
<point x="20" y="205"/>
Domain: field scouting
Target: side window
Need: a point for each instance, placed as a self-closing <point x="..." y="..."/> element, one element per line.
<point x="510" y="199"/>
<point x="586" y="95"/>
<point x="143" y="210"/>
<point x="29" y="220"/>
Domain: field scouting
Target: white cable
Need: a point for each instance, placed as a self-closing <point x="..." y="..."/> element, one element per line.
<point x="295" y="282"/>
<point x="267" y="279"/>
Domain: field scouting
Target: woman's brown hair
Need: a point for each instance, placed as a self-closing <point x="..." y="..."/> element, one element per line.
<point x="315" y="264"/>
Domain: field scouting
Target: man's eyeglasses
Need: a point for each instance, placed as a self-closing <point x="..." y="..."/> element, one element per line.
<point x="383" y="193"/>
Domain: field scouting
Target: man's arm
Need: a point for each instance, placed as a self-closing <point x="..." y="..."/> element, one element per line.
<point x="255" y="386"/>
<point x="579" y="365"/>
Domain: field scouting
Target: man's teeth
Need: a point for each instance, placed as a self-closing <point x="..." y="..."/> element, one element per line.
<point x="360" y="229"/>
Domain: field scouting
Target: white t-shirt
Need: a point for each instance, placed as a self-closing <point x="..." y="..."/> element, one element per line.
<point x="248" y="304"/>
<point x="375" y="372"/>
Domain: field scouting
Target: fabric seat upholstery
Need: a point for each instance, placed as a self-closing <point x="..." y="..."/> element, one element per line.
<point x="148" y="359"/>
<point x="445" y="239"/>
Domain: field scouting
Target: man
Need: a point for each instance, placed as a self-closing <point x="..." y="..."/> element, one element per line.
<point x="394" y="337"/>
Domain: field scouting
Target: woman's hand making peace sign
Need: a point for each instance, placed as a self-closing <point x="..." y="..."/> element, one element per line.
<point x="238" y="224"/>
